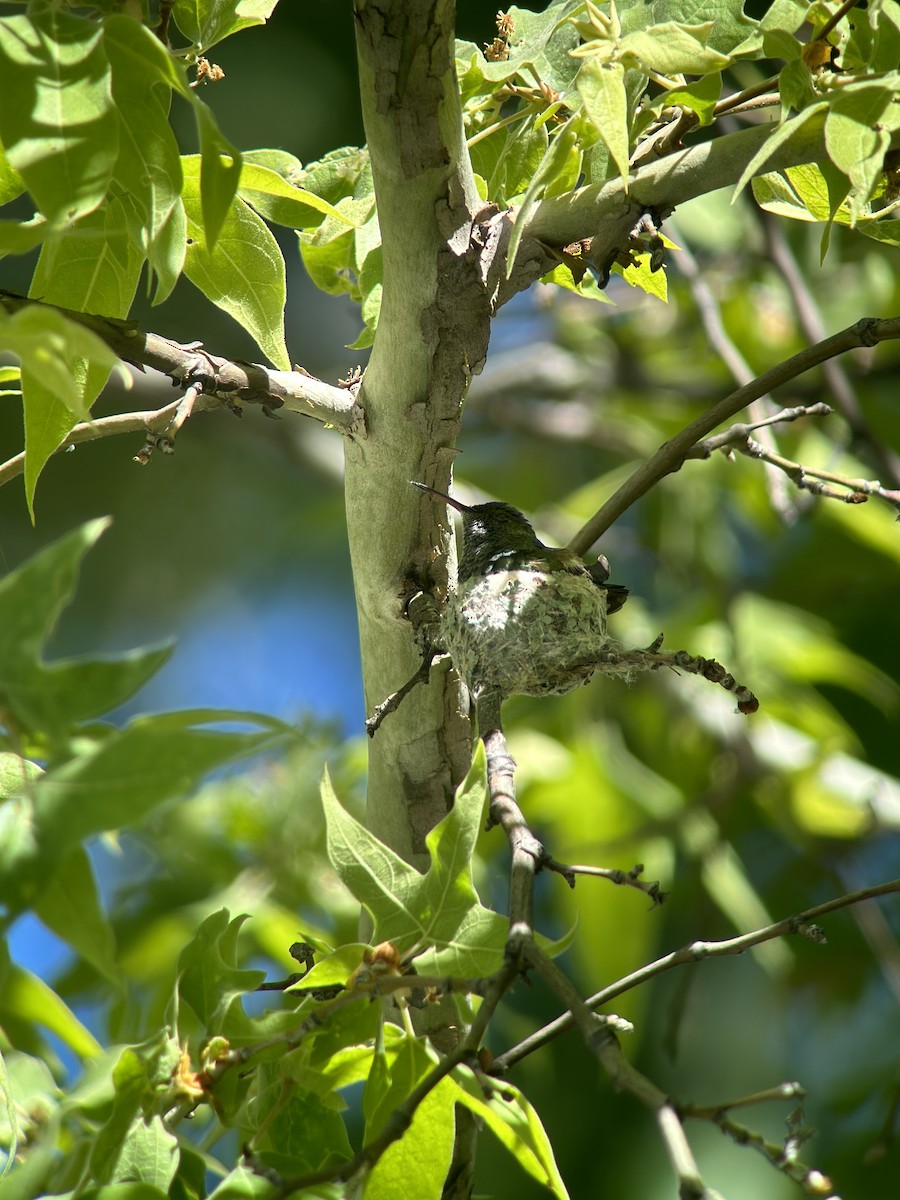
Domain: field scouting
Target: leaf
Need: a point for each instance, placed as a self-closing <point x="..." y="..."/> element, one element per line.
<point x="553" y="165"/>
<point x="27" y="998"/>
<point x="857" y="138"/>
<point x="115" y="783"/>
<point x="601" y="87"/>
<point x="542" y="40"/>
<point x="57" y="121"/>
<point x="52" y="698"/>
<point x="207" y="22"/>
<point x="9" y="1135"/>
<point x="18" y="237"/>
<point x="70" y="907"/>
<point x="148" y="167"/>
<point x="149" y="1154"/>
<point x="91" y="267"/>
<point x="209" y="978"/>
<point x="588" y="287"/>
<point x="784" y="132"/>
<point x="12" y="184"/>
<point x="128" y="1149"/>
<point x="220" y="174"/>
<point x="514" y="1122"/>
<point x="425" y="1150"/>
<point x="638" y="274"/>
<point x="674" y="49"/>
<point x="725" y="25"/>
<point x="438" y="912"/>
<point x="699" y="97"/>
<point x="279" y="201"/>
<point x="63" y="367"/>
<point x="244" y="275"/>
<point x="334" y="177"/>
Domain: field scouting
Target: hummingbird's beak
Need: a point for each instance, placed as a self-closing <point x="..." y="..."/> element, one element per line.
<point x="458" y="505"/>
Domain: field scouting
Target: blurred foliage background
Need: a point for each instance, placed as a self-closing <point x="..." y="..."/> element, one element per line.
<point x="237" y="546"/>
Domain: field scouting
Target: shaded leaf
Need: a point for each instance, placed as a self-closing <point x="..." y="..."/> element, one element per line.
<point x="438" y="912"/>
<point x="244" y="274"/>
<point x="58" y="123"/>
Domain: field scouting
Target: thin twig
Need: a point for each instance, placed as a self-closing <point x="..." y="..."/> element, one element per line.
<point x="671" y="455"/>
<point x="736" y="434"/>
<point x="802" y="924"/>
<point x="722" y="343"/>
<point x="834" y="19"/>
<point x="149" y="421"/>
<point x="392" y="702"/>
<point x="855" y="491"/>
<point x="527" y="852"/>
<point x="809" y="317"/>
<point x="602" y="1042"/>
<point x="630" y="878"/>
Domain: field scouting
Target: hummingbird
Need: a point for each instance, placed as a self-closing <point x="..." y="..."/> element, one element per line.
<point x="526" y="618"/>
<point x="531" y="620"/>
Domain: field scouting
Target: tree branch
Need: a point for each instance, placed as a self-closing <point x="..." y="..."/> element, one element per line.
<point x="671" y="455"/>
<point x="235" y="382"/>
<point x="802" y="923"/>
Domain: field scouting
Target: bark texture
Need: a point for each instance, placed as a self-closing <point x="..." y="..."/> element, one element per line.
<point x="432" y="333"/>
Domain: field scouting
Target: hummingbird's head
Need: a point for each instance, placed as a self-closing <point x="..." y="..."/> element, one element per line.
<point x="491" y="532"/>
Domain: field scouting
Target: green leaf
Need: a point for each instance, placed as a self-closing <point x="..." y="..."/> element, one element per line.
<point x="9" y="1135"/>
<point x="601" y="87"/>
<point x="115" y="783"/>
<point x="207" y="22"/>
<point x="784" y="132"/>
<point x="542" y="41"/>
<point x="425" y="1150"/>
<point x="699" y="97"/>
<point x="638" y="274"/>
<point x="92" y="267"/>
<point x="148" y="167"/>
<point x="57" y="121"/>
<point x="210" y="980"/>
<point x="63" y="367"/>
<point x="241" y="1184"/>
<point x="18" y="237"/>
<point x="674" y="49"/>
<point x="70" y="907"/>
<point x="244" y="275"/>
<point x="52" y="698"/>
<point x="727" y="26"/>
<point x="49" y="347"/>
<point x="510" y="159"/>
<point x="11" y="182"/>
<point x="438" y="912"/>
<point x="130" y="1149"/>
<point x="589" y="288"/>
<point x="328" y="257"/>
<point x="857" y="137"/>
<point x="27" y="998"/>
<point x="555" y="164"/>
<point x="514" y="1122"/>
<point x="149" y="1154"/>
<point x="334" y="177"/>
<point x="279" y="201"/>
<point x="220" y="174"/>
